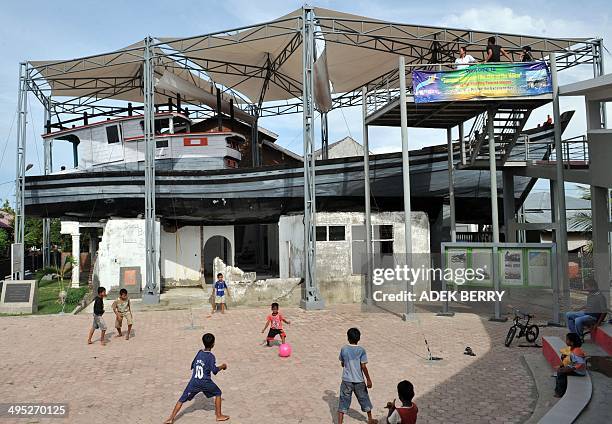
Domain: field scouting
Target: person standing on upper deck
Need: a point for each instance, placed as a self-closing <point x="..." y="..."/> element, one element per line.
<point x="527" y="55"/>
<point x="495" y="51"/>
<point x="464" y="60"/>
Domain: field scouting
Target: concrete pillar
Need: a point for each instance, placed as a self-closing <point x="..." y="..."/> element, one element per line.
<point x="508" y="190"/>
<point x="76" y="255"/>
<point x="600" y="212"/>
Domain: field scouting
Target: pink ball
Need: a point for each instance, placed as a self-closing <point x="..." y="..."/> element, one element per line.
<point x="284" y="350"/>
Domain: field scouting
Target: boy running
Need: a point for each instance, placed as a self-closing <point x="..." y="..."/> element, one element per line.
<point x="275" y="321"/>
<point x="123" y="309"/>
<point x="202" y="366"/>
<point x="98" y="321"/>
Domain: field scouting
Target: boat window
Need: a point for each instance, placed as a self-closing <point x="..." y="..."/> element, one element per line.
<point x="112" y="134"/>
<point x="161" y="143"/>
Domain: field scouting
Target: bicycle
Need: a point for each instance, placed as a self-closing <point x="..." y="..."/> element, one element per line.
<point x="529" y="331"/>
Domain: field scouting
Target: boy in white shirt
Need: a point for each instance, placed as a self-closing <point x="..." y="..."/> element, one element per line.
<point x="464" y="60"/>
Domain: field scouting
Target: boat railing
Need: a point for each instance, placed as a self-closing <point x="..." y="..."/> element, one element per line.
<point x="575" y="151"/>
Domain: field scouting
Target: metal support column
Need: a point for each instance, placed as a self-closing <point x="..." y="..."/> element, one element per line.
<point x="406" y="181"/>
<point x="324" y="136"/>
<point x="451" y="184"/>
<point x="462" y="144"/>
<point x="562" y="254"/>
<point x="451" y="201"/>
<point x="509" y="206"/>
<point x="367" y="192"/>
<point x="17" y="250"/>
<point x="151" y="293"/>
<point x="46" y="222"/>
<point x="311" y="298"/>
<point x="599" y="71"/>
<point x="494" y="212"/>
<point x="255" y="138"/>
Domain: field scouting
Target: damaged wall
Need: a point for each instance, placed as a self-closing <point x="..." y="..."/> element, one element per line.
<point x="341" y="257"/>
<point x="181" y="256"/>
<point x="123" y="245"/>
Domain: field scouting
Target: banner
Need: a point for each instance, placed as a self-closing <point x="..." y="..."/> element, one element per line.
<point x="482" y="80"/>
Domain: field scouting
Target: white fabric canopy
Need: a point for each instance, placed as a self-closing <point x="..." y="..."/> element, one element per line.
<point x="115" y="75"/>
<point x="358" y="51"/>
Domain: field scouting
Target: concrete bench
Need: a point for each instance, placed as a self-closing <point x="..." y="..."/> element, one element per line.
<point x="602" y="335"/>
<point x="579" y="389"/>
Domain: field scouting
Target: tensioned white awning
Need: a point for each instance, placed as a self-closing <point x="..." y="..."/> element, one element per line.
<point x="358" y="50"/>
<point x="115" y="75"/>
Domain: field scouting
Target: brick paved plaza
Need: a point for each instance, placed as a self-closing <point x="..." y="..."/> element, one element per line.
<point x="46" y="359"/>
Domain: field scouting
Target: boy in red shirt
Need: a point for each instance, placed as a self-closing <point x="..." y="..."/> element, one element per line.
<point x="407" y="413"/>
<point x="275" y="321"/>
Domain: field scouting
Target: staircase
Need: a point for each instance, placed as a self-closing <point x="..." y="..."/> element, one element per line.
<point x="507" y="126"/>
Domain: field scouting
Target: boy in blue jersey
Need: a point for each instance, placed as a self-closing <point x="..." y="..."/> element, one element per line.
<point x="219" y="288"/>
<point x="202" y="366"/>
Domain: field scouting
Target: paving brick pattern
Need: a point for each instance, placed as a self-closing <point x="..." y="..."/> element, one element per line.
<point x="46" y="358"/>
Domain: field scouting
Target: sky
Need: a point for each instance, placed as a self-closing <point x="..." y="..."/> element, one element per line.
<point x="40" y="30"/>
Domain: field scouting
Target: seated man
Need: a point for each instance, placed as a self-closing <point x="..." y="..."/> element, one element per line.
<point x="596" y="306"/>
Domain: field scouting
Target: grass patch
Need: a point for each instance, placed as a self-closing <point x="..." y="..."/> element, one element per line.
<point x="48" y="297"/>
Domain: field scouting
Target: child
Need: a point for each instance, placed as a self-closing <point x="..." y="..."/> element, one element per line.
<point x="98" y="321"/>
<point x="123" y="309"/>
<point x="353" y="359"/>
<point x="407" y="413"/>
<point x="219" y="288"/>
<point x="202" y="365"/>
<point x="577" y="363"/>
<point x="275" y="321"/>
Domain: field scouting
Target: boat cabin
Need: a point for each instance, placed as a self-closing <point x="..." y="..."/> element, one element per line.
<point x="118" y="144"/>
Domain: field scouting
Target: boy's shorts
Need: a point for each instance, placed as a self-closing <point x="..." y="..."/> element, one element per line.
<point x="128" y="318"/>
<point x="208" y="387"/>
<point x="275" y="332"/>
<point x="98" y="323"/>
<point x="346" y="393"/>
<point x="220" y="299"/>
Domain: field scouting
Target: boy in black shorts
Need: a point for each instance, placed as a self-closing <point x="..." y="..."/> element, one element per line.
<point x="275" y="321"/>
<point x="202" y="366"/>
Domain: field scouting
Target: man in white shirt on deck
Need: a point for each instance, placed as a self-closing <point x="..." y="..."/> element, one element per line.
<point x="464" y="60"/>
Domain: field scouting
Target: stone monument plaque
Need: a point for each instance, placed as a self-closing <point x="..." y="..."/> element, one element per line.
<point x="18" y="297"/>
<point x="17" y="293"/>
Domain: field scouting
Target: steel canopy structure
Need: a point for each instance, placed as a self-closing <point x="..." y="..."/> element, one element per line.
<point x="264" y="70"/>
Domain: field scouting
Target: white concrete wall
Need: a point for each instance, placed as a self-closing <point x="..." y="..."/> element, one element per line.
<point x="123" y="245"/>
<point x="181" y="256"/>
<point x="291" y="246"/>
<point x="334" y="258"/>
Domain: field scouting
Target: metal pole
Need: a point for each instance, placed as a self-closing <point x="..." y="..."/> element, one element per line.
<point x="255" y="138"/>
<point x="462" y="144"/>
<point x="451" y="184"/>
<point x="324" y="136"/>
<point x="600" y="72"/>
<point x="406" y="180"/>
<point x="151" y="294"/>
<point x="451" y="197"/>
<point x="368" y="211"/>
<point x="494" y="211"/>
<point x="18" y="248"/>
<point x="311" y="298"/>
<point x="560" y="185"/>
<point x="46" y="223"/>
